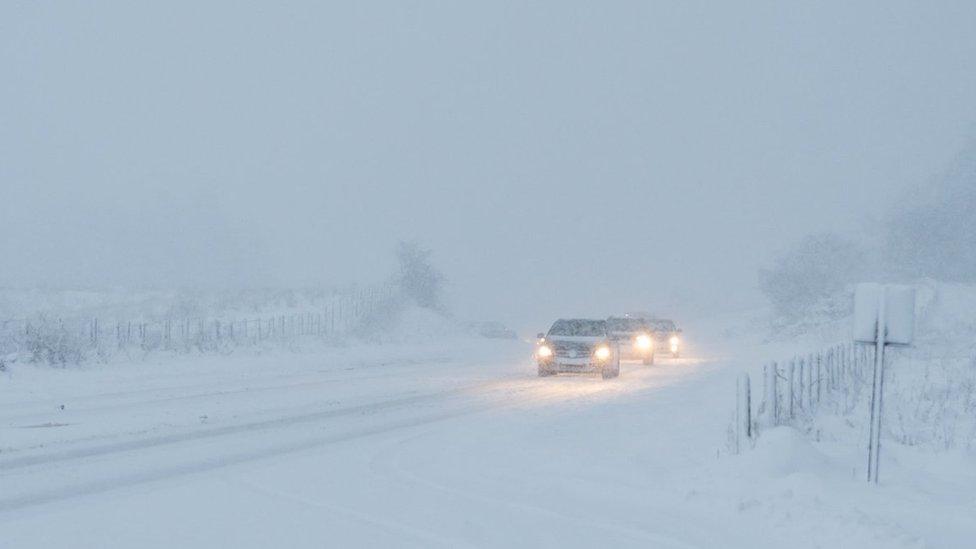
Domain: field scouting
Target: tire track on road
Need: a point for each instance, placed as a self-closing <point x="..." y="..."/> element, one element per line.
<point x="494" y="395"/>
<point x="216" y="462"/>
<point x="250" y="427"/>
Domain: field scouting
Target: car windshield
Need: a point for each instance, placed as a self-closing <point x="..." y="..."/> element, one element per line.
<point x="625" y="324"/>
<point x="577" y="327"/>
<point x="662" y="325"/>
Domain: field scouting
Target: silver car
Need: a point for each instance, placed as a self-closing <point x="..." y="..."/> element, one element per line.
<point x="577" y="345"/>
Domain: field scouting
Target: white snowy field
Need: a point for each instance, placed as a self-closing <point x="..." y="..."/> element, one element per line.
<point x="453" y="443"/>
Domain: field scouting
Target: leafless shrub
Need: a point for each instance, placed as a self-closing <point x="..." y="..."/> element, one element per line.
<point x="52" y="342"/>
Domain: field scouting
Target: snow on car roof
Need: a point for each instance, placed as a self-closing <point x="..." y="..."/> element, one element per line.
<point x="661" y="324"/>
<point x="625" y="324"/>
<point x="578" y="327"/>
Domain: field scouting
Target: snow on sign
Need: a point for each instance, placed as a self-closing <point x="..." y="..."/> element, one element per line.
<point x="896" y="303"/>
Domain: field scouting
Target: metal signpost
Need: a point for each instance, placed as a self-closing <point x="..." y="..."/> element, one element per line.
<point x="883" y="315"/>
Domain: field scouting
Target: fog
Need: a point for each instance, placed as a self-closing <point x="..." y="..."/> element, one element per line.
<point x="558" y="158"/>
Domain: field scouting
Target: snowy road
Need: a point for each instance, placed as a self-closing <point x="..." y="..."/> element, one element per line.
<point x="462" y="449"/>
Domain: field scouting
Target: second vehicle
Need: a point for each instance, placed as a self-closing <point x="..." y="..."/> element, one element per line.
<point x="635" y="339"/>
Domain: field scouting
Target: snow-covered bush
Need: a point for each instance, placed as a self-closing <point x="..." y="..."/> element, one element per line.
<point x="51" y="342"/>
<point x="933" y="403"/>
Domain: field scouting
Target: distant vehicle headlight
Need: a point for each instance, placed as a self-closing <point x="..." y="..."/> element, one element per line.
<point x="544" y="351"/>
<point x="602" y="352"/>
<point x="644" y="342"/>
<point x="674" y="342"/>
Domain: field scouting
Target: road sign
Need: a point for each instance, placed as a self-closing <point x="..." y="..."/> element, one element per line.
<point x="899" y="317"/>
<point x="883" y="315"/>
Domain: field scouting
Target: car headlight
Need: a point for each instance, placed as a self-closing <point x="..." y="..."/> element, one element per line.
<point x="675" y="342"/>
<point x="602" y="352"/>
<point x="544" y="351"/>
<point x="644" y="342"/>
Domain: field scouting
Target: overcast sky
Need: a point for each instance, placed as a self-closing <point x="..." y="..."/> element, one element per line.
<point x="558" y="157"/>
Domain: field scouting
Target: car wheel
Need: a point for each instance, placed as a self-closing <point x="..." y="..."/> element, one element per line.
<point x="648" y="360"/>
<point x="610" y="371"/>
<point x="545" y="372"/>
<point x="675" y="355"/>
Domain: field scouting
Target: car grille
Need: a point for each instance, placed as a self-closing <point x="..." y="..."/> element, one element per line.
<point x="566" y="349"/>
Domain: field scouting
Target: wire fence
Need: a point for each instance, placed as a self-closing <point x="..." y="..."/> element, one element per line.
<point x="75" y="339"/>
<point x="793" y="391"/>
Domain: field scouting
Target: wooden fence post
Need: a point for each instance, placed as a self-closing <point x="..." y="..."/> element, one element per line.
<point x="770" y="397"/>
<point x="790" y="381"/>
<point x="833" y="369"/>
<point x="810" y="378"/>
<point x="801" y="386"/>
<point x="743" y="411"/>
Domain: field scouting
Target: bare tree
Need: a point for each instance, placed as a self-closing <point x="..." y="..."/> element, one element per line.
<point x="418" y="279"/>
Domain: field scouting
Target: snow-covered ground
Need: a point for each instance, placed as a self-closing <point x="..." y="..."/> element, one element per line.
<point x="443" y="443"/>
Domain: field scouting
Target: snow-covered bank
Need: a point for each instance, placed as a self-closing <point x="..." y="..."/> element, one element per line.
<point x="815" y="466"/>
<point x="930" y="387"/>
